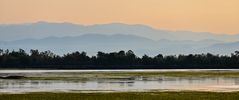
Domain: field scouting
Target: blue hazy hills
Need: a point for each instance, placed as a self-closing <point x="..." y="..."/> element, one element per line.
<point x="67" y="37"/>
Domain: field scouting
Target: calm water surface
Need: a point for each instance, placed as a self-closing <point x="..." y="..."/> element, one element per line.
<point x="216" y="84"/>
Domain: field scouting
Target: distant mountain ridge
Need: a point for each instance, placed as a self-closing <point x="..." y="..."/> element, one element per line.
<point x="44" y="29"/>
<point x="92" y="43"/>
<point x="66" y="37"/>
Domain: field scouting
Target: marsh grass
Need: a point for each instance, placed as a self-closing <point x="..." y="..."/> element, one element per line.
<point x="124" y="96"/>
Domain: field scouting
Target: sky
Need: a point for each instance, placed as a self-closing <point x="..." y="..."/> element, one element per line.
<point x="216" y="16"/>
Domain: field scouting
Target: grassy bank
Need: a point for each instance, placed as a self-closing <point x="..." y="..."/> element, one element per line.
<point x="124" y="96"/>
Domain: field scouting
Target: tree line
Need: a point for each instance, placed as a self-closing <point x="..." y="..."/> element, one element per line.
<point x="114" y="60"/>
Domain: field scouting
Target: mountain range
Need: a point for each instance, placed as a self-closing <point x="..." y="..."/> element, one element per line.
<point x="45" y="29"/>
<point x="67" y="37"/>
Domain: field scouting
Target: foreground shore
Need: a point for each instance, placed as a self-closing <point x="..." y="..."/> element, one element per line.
<point x="124" y="96"/>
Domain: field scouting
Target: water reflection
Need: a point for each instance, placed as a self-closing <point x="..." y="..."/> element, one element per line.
<point x="214" y="84"/>
<point x="138" y="83"/>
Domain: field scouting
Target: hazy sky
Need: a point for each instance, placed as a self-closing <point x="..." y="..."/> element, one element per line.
<point x="218" y="16"/>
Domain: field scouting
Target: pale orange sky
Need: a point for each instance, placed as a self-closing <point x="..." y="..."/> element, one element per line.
<point x="217" y="16"/>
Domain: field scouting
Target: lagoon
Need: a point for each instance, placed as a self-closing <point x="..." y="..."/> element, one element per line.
<point x="120" y="80"/>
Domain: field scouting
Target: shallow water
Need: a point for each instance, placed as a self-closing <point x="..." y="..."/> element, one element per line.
<point x="161" y="83"/>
